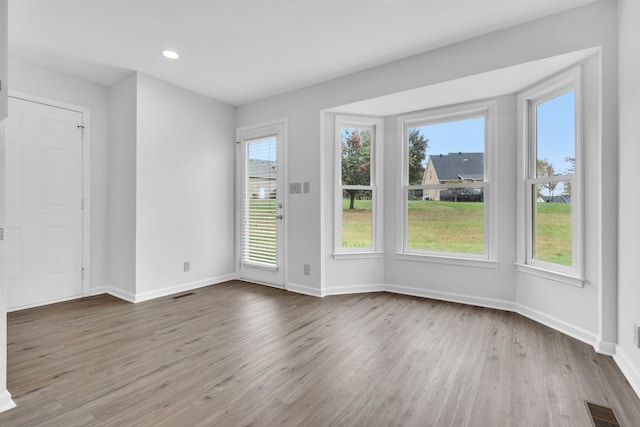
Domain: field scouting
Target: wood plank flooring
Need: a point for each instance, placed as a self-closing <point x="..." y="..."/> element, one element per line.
<point x="238" y="354"/>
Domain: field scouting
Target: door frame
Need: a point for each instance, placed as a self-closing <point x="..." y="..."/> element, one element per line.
<point x="285" y="194"/>
<point x="86" y="176"/>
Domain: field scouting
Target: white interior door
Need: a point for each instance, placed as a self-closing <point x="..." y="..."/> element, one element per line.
<point x="43" y="204"/>
<point x="261" y="207"/>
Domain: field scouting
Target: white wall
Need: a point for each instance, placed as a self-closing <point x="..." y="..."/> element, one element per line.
<point x="547" y="301"/>
<point x="627" y="354"/>
<point x="171" y="189"/>
<point x="311" y="219"/>
<point x="176" y="144"/>
<point x="5" y="396"/>
<point x="491" y="285"/>
<point x="29" y="78"/>
<point x="122" y="187"/>
<point x="348" y="276"/>
<point x="185" y="188"/>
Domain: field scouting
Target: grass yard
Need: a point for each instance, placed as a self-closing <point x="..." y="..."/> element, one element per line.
<point x="356" y="224"/>
<point x="459" y="227"/>
<point x="553" y="233"/>
<point x="446" y="226"/>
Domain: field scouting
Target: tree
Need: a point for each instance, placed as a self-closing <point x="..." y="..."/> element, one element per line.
<point x="571" y="171"/>
<point x="544" y="168"/>
<point x="356" y="160"/>
<point x="418" y="145"/>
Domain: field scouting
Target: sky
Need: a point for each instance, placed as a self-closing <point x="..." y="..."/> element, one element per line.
<point x="466" y="136"/>
<point x="556" y="134"/>
<point x="556" y="131"/>
<point x="263" y="149"/>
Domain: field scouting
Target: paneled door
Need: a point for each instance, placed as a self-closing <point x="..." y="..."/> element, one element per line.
<point x="261" y="204"/>
<point x="43" y="204"/>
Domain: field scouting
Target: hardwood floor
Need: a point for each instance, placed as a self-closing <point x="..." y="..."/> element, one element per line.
<point x="240" y="354"/>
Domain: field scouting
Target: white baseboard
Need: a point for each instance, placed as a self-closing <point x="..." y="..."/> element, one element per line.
<point x="603" y="347"/>
<point x="559" y="325"/>
<point x="123" y="295"/>
<point x="305" y="290"/>
<point x="607" y="348"/>
<point x="98" y="291"/>
<point x="146" y="296"/>
<point x="40" y="304"/>
<point x="118" y="293"/>
<point x="631" y="372"/>
<point x="356" y="289"/>
<point x="451" y="297"/>
<point x="5" y="401"/>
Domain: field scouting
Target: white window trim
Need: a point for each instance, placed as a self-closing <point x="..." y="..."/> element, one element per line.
<point x="255" y="131"/>
<point x="375" y="125"/>
<point x="542" y="92"/>
<point x="488" y="109"/>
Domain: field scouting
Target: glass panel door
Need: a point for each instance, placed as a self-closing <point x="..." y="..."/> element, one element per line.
<point x="262" y="206"/>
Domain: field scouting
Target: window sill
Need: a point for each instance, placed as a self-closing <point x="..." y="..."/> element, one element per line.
<point x="357" y="255"/>
<point x="464" y="262"/>
<point x="556" y="276"/>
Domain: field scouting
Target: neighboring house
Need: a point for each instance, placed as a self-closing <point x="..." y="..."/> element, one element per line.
<point x="454" y="168"/>
<point x="555" y="199"/>
<point x="262" y="178"/>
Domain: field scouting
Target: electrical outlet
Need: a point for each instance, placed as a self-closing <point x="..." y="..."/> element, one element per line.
<point x="636" y="335"/>
<point x="307" y="269"/>
<point x="187" y="266"/>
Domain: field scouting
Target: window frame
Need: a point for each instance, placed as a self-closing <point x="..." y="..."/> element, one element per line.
<point x="375" y="126"/>
<point x="488" y="110"/>
<point x="528" y="100"/>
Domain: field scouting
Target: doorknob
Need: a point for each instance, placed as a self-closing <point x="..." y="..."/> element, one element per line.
<point x="278" y="216"/>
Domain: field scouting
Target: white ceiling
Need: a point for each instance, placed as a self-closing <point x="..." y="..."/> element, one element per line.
<point x="238" y="51"/>
<point x="498" y="82"/>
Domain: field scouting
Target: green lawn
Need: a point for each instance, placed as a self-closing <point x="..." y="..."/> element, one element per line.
<point x="356" y="224"/>
<point x="553" y="233"/>
<point x="446" y="226"/>
<point x="459" y="227"/>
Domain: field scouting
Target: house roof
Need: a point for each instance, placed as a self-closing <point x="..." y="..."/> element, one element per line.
<point x="556" y="199"/>
<point x="457" y="166"/>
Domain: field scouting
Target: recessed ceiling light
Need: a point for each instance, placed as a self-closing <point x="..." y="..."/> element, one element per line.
<point x="170" y="54"/>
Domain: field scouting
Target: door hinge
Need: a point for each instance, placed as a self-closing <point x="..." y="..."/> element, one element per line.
<point x="82" y="273"/>
<point x="82" y="203"/>
<point x="81" y="129"/>
<point x="1" y="233"/>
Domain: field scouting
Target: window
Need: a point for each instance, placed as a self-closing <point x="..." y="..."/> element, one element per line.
<point x="552" y="204"/>
<point x="357" y="196"/>
<point x="446" y="183"/>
